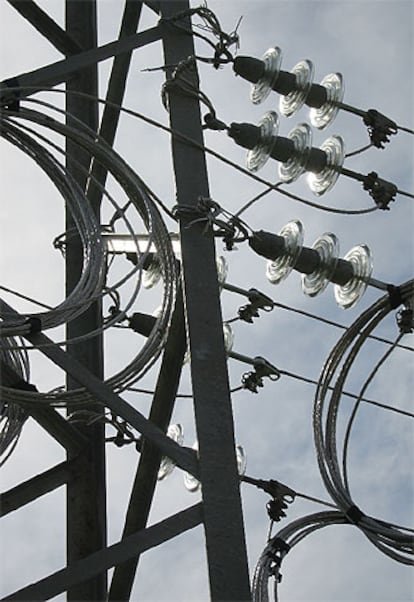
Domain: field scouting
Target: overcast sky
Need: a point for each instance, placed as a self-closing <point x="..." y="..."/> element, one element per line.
<point x="371" y="44"/>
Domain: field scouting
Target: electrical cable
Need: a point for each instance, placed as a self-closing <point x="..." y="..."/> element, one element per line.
<point x="307" y="314"/>
<point x="270" y="561"/>
<point x="12" y="416"/>
<point x="25" y="297"/>
<point x="359" y="150"/>
<point x="379" y="404"/>
<point x="220" y="157"/>
<point x="404" y="129"/>
<point x="132" y="186"/>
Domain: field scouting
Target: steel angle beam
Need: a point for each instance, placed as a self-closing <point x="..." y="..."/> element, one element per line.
<point x="184" y="457"/>
<point x="105" y="559"/>
<point x="46" y="26"/>
<point x="48" y="418"/>
<point x="114" y="96"/>
<point x="33" y="488"/>
<point x="146" y="475"/>
<point x="59" y="72"/>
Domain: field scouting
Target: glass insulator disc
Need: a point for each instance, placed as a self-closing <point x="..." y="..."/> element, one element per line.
<point x="324" y="180"/>
<point x="327" y="247"/>
<point x="292" y="102"/>
<point x="241" y="460"/>
<point x="272" y="59"/>
<point x="174" y="432"/>
<point x="191" y="483"/>
<point x="152" y="274"/>
<point x="269" y="127"/>
<point x="349" y="294"/>
<point x="278" y="269"/>
<point x="322" y="117"/>
<point x="222" y="269"/>
<point x="290" y="170"/>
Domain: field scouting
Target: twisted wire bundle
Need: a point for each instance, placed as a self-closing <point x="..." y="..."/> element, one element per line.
<point x="12" y="415"/>
<point x="269" y="563"/>
<point x="395" y="541"/>
<point x="390" y="539"/>
<point x="91" y="284"/>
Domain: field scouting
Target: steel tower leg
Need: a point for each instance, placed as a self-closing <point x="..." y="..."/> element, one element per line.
<point x="223" y="519"/>
<point x="86" y="493"/>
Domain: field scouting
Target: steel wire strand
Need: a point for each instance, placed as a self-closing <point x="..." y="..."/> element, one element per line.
<point x="322" y="389"/>
<point x="333" y="407"/>
<point x="135" y="270"/>
<point x="12" y="416"/>
<point x="49" y="105"/>
<point x="385" y="536"/>
<point x="151" y="217"/>
<point x="351" y="420"/>
<point x="380" y="530"/>
<point x="91" y="278"/>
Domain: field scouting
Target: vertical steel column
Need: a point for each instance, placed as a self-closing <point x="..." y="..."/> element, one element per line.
<point x="223" y="519"/>
<point x="86" y="493"/>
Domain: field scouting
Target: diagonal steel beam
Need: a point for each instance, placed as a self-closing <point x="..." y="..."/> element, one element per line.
<point x="110" y="556"/>
<point x="115" y="96"/>
<point x="154" y="5"/>
<point x="65" y="433"/>
<point x="59" y="72"/>
<point x="184" y="457"/>
<point x="146" y="476"/>
<point x="46" y="26"/>
<point x="33" y="488"/>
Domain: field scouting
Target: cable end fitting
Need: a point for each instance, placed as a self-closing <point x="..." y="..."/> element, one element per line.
<point x="380" y="190"/>
<point x="35" y="324"/>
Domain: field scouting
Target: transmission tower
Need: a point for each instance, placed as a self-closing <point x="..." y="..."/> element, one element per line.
<point x="189" y="321"/>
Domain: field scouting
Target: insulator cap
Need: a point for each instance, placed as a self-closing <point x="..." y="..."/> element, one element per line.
<point x="249" y="68"/>
<point x="267" y="244"/>
<point x="317" y="96"/>
<point x="246" y="135"/>
<point x="283" y="150"/>
<point x="142" y="323"/>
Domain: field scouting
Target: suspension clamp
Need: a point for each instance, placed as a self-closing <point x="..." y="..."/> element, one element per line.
<point x="380" y="127"/>
<point x="253" y="380"/>
<point x="257" y="301"/>
<point x="380" y="190"/>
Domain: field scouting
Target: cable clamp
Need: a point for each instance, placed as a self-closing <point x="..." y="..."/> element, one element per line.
<point x="354" y="515"/>
<point x="262" y="368"/>
<point x="380" y="127"/>
<point x="380" y="190"/>
<point x="35" y="324"/>
<point x="257" y="301"/>
<point x="394" y="295"/>
<point x="10" y="94"/>
<point x="279" y="549"/>
<point x="405" y="320"/>
<point x="212" y="123"/>
<point x="23" y="385"/>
